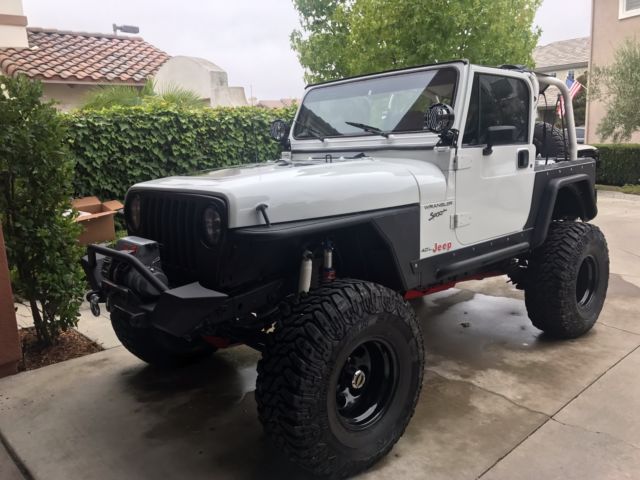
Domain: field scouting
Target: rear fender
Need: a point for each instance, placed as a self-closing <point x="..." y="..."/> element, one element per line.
<point x="571" y="196"/>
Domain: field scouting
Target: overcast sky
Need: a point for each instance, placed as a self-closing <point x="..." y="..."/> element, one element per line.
<point x="248" y="38"/>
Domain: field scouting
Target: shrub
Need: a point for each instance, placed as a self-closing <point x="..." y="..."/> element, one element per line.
<point x="619" y="164"/>
<point x="119" y="146"/>
<point x="35" y="187"/>
<point x="126" y="95"/>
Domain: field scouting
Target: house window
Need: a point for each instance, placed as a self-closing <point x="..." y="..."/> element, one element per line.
<point x="629" y="8"/>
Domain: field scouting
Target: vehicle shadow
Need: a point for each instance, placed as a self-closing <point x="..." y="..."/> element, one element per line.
<point x="205" y="416"/>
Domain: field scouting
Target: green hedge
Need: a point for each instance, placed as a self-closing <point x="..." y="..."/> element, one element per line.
<point x="117" y="147"/>
<point x="619" y="164"/>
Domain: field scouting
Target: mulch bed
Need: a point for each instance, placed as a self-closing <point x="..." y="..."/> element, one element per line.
<point x="70" y="344"/>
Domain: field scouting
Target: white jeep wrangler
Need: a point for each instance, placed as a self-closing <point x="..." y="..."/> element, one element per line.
<point x="391" y="186"/>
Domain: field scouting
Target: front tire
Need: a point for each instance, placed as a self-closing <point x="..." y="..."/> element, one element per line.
<point x="567" y="280"/>
<point x="340" y="377"/>
<point x="157" y="347"/>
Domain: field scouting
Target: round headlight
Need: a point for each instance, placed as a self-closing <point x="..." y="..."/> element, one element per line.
<point x="133" y="216"/>
<point x="212" y="226"/>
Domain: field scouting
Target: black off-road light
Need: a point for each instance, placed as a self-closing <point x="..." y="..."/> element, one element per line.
<point x="279" y="130"/>
<point x="439" y="118"/>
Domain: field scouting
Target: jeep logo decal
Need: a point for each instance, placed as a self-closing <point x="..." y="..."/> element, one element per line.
<point x="442" y="247"/>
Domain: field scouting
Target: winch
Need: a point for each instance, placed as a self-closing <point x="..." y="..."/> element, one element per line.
<point x="122" y="273"/>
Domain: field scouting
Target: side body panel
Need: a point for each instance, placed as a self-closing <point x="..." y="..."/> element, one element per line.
<point x="493" y="192"/>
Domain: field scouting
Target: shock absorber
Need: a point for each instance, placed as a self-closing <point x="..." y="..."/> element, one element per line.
<point x="328" y="272"/>
<point x="306" y="270"/>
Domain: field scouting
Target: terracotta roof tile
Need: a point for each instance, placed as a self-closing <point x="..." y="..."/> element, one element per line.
<point x="80" y="56"/>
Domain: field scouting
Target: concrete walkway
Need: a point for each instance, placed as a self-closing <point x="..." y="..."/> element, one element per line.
<point x="97" y="329"/>
<point x="500" y="401"/>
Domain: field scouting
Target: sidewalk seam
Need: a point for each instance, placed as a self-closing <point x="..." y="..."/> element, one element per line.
<point x="618" y="328"/>
<point x="551" y="418"/>
<point x="606" y="434"/>
<point x="486" y="390"/>
<point x="20" y="465"/>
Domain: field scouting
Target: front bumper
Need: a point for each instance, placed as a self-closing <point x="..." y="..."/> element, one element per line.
<point x="179" y="311"/>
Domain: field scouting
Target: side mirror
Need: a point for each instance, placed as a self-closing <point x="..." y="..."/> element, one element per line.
<point x="499" y="135"/>
<point x="279" y="131"/>
<point x="439" y="118"/>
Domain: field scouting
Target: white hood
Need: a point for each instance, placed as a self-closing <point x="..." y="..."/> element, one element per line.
<point x="299" y="190"/>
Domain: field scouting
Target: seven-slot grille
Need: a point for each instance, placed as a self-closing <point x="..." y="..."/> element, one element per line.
<point x="174" y="221"/>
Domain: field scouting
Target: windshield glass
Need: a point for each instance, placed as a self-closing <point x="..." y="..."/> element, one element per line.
<point x="395" y="103"/>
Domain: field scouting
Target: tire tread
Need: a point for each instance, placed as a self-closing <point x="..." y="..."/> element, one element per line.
<point x="297" y="359"/>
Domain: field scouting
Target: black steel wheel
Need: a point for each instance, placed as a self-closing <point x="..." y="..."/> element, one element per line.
<point x="340" y="377"/>
<point x="366" y="384"/>
<point x="587" y="281"/>
<point x="567" y="280"/>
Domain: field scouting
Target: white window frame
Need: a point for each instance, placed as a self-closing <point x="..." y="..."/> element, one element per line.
<point x="624" y="13"/>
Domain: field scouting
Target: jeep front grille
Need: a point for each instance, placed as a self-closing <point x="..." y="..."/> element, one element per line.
<point x="175" y="222"/>
<point x="172" y="222"/>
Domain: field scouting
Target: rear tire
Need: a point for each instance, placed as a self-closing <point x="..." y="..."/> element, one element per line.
<point x="567" y="280"/>
<point x="157" y="347"/>
<point x="340" y="377"/>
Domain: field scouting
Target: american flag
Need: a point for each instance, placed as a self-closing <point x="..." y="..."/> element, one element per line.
<point x="574" y="89"/>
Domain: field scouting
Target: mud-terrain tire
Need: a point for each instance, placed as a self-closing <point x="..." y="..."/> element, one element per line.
<point x="553" y="146"/>
<point x="157" y="347"/>
<point x="340" y="377"/>
<point x="567" y="280"/>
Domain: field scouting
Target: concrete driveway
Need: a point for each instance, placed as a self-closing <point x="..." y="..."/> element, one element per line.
<point x="500" y="401"/>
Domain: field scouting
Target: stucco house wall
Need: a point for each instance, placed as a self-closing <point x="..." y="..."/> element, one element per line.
<point x="12" y="24"/>
<point x="610" y="26"/>
<point x="67" y="96"/>
<point x="201" y="76"/>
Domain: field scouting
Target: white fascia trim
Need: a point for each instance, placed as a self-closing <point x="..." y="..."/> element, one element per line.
<point x="624" y="13"/>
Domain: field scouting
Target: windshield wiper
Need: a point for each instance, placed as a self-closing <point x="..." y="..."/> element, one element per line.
<point x="312" y="132"/>
<point x="369" y="128"/>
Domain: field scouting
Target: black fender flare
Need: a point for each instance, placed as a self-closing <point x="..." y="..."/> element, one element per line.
<point x="584" y="193"/>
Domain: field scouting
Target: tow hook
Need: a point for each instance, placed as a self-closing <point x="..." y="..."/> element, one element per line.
<point x="94" y="303"/>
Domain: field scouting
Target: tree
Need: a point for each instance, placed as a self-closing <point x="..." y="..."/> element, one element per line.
<point x="129" y="96"/>
<point x="618" y="85"/>
<point x="341" y="38"/>
<point x="35" y="186"/>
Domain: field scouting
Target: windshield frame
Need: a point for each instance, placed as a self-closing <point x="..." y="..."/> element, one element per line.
<point x="456" y="66"/>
